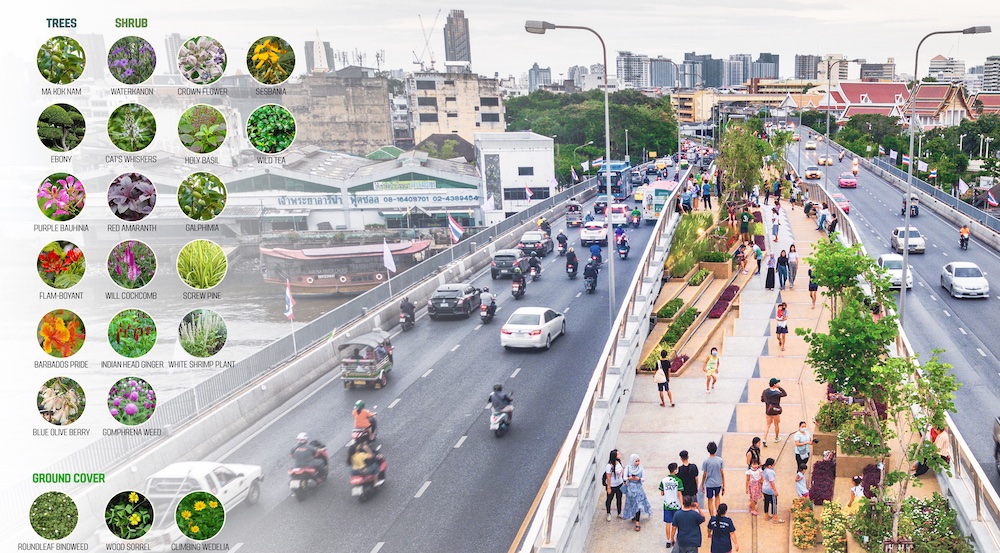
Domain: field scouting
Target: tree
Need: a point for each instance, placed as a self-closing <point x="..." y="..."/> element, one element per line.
<point x="741" y="159"/>
<point x="60" y="129"/>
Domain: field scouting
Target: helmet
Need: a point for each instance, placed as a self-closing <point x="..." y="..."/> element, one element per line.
<point x="517" y="269"/>
<point x="534" y="255"/>
<point x="497" y="388"/>
<point x="571" y="248"/>
<point x="303" y="437"/>
<point x="359" y="405"/>
<point x="486" y="288"/>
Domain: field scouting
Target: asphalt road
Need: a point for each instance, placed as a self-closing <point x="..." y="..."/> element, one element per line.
<point x="935" y="320"/>
<point x="452" y="485"/>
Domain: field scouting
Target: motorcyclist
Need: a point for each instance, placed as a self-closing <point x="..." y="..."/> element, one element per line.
<point x="534" y="263"/>
<point x="841" y="156"/>
<point x="363" y="419"/>
<point x="636" y="212"/>
<point x="545" y="226"/>
<point x="501" y="402"/>
<point x="590" y="271"/>
<point x="561" y="239"/>
<point x="518" y="277"/>
<point x="489" y="300"/>
<point x="619" y="231"/>
<point x="571" y="259"/>
<point x="623" y="239"/>
<point x="963" y="233"/>
<point x="595" y="251"/>
<point x="307" y="454"/>
<point x="588" y="218"/>
<point x="407" y="308"/>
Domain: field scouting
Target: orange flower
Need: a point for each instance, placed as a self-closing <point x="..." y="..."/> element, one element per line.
<point x="54" y="334"/>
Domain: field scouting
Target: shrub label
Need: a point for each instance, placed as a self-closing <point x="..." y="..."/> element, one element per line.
<point x="269" y="159"/>
<point x="60" y="431"/>
<point x="136" y="364"/>
<point x="201" y="228"/>
<point x="60" y="159"/>
<point x="60" y="295"/>
<point x="132" y="432"/>
<point x="129" y="158"/>
<point x="61" y="228"/>
<point x="131" y="228"/>
<point x="193" y="160"/>
<point x="130" y="295"/>
<point x="65" y="546"/>
<point x="200" y="364"/>
<point x="138" y="91"/>
<point x="62" y="91"/>
<point x="60" y="364"/>
<point x="205" y="91"/>
<point x="202" y="295"/>
<point x="278" y="91"/>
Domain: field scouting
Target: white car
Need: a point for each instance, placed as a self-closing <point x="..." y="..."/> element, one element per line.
<point x="965" y="280"/>
<point x="619" y="214"/>
<point x="594" y="232"/>
<point x="532" y="327"/>
<point x="892" y="263"/>
<point x="917" y="244"/>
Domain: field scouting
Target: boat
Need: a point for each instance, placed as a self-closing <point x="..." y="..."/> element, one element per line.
<point x="334" y="270"/>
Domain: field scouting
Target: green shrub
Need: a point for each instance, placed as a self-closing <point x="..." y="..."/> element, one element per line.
<point x="757" y="229"/>
<point x="682" y="265"/>
<point x="715" y="257"/>
<point x="678" y="327"/>
<point x="858" y="437"/>
<point x="832" y="416"/>
<point x="687" y="241"/>
<point x="699" y="277"/>
<point x="650" y="363"/>
<point x="670" y="309"/>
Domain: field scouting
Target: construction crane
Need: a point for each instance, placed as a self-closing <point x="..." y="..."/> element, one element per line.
<point x="419" y="60"/>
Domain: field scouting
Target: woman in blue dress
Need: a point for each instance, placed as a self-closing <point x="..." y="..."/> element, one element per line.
<point x="636" y="502"/>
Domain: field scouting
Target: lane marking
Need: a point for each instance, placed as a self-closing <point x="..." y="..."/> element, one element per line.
<point x="578" y="294"/>
<point x="394" y="402"/>
<point x="460" y="442"/>
<point x="378" y="547"/>
<point x="237" y="546"/>
<point x="920" y="283"/>
<point x="962" y="330"/>
<point x="456" y="346"/>
<point x="422" y="489"/>
<point x="478" y="326"/>
<point x="566" y="310"/>
<point x="933" y="297"/>
<point x="946" y="314"/>
<point x="514" y="374"/>
<point x="429" y="371"/>
<point x="981" y="352"/>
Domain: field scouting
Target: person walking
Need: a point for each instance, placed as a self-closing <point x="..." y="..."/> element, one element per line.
<point x="772" y="263"/>
<point x="857" y="492"/>
<point x="711" y="370"/>
<point x="801" y="488"/>
<point x="662" y="378"/>
<point x="636" y="502"/>
<point x="771" y="397"/>
<point x="824" y="213"/>
<point x="688" y="522"/>
<point x="813" y="288"/>
<point x="713" y="478"/>
<point x="614" y="477"/>
<point x="671" y="488"/>
<point x="767" y="192"/>
<point x="770" y="491"/>
<point x="754" y="486"/>
<point x="688" y="473"/>
<point x="758" y="255"/>
<point x="753" y="452"/>
<point x="781" y="327"/>
<point x="722" y="532"/>
<point x="745" y="219"/>
<point x="782" y="269"/>
<point x="775" y="226"/>
<point x="803" y="444"/>
<point x="793" y="266"/>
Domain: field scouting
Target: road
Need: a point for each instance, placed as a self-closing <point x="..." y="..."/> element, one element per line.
<point x="452" y="486"/>
<point x="935" y="320"/>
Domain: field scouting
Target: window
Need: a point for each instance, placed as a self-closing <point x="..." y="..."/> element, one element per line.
<point x="491" y="117"/>
<point x="476" y="108"/>
<point x="452" y="115"/>
<point x="427" y="101"/>
<point x="450" y="99"/>
<point x="515" y="194"/>
<point x="493" y="102"/>
<point x="428" y="117"/>
<point x="449" y="82"/>
<point x="539" y="193"/>
<point x="525" y="171"/>
<point x="477" y="123"/>
<point x="426" y="85"/>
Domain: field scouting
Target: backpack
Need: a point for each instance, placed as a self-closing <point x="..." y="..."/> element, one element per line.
<point x="604" y="479"/>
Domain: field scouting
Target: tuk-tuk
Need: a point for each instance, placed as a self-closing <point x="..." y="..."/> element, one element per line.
<point x="914" y="207"/>
<point x="366" y="359"/>
<point x="574" y="214"/>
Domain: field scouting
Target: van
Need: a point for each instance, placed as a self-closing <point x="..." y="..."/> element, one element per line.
<point x="618" y="215"/>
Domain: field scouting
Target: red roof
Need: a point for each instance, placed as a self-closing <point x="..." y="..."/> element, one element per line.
<point x="864" y="110"/>
<point x="937" y="91"/>
<point x="990" y="101"/>
<point x="365" y="250"/>
<point x="878" y="93"/>
<point x="931" y="98"/>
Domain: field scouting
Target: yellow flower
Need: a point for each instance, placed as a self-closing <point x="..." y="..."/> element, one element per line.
<point x="213" y="504"/>
<point x="185" y="514"/>
<point x="199" y="505"/>
<point x="133" y="497"/>
<point x="134" y="519"/>
<point x="195" y="529"/>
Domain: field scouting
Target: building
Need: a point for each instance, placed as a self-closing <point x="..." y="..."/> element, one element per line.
<point x="766" y="66"/>
<point x="593" y="81"/>
<point x="691" y="72"/>
<point x="576" y="73"/>
<point x="453" y="103"/>
<point x="319" y="56"/>
<point x="662" y="72"/>
<point x="838" y="67"/>
<point x="859" y="98"/>
<point x="991" y="74"/>
<point x="972" y="82"/>
<point x="538" y="76"/>
<point x="946" y="69"/>
<point x="513" y="163"/>
<point x="633" y="69"/>
<point x="747" y="61"/>
<point x="402" y="126"/>
<point x="174" y="42"/>
<point x="939" y="105"/>
<point x="780" y="86"/>
<point x="457" y="53"/>
<point x="806" y="67"/>
<point x="694" y="106"/>
<point x="879" y="72"/>
<point x="732" y="73"/>
<point x="985" y="102"/>
<point x="565" y="86"/>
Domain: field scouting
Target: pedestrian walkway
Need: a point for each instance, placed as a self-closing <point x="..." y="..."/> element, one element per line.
<point x="732" y="414"/>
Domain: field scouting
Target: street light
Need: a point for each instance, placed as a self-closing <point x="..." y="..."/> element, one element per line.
<point x="539" y="28"/>
<point x="960" y="137"/>
<point x="626" y="146"/>
<point x="829" y="95"/>
<point x="577" y="148"/>
<point x="988" y="140"/>
<point x="909" y="168"/>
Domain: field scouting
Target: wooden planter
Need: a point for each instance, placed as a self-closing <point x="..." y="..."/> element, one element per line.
<point x="721" y="269"/>
<point x="854" y="465"/>
<point x="701" y="287"/>
<point x="827" y="442"/>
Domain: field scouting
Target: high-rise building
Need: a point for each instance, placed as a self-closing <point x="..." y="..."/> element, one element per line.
<point x="174" y="42"/>
<point x="319" y="56"/>
<point x="576" y="73"/>
<point x="454" y="103"/>
<point x="597" y="69"/>
<point x="991" y="74"/>
<point x="806" y="66"/>
<point x="838" y="65"/>
<point x="766" y="66"/>
<point x="946" y="69"/>
<point x="456" y="41"/>
<point x="633" y="69"/>
<point x="733" y="73"/>
<point x="879" y="72"/>
<point x="538" y="76"/>
<point x="747" y="61"/>
<point x="662" y="72"/>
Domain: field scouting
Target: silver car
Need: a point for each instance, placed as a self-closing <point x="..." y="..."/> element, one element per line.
<point x="917" y="244"/>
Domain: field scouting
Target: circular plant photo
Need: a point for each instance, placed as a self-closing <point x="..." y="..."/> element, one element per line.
<point x="61" y="196"/>
<point x="202" y="60"/>
<point x="61" y="333"/>
<point x="202" y="264"/>
<point x="61" y="60"/>
<point x="61" y="127"/>
<point x="270" y="60"/>
<point x="131" y="60"/>
<point x="53" y="515"/>
<point x="132" y="333"/>
<point x="271" y="129"/>
<point x="131" y="264"/>
<point x="131" y="197"/>
<point x="202" y="333"/>
<point x="131" y="401"/>
<point x="200" y="515"/>
<point x="61" y="401"/>
<point x="202" y="196"/>
<point x="129" y="515"/>
<point x="131" y="127"/>
<point x="202" y="129"/>
<point x="61" y="264"/>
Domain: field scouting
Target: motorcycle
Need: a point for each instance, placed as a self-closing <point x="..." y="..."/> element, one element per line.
<point x="517" y="290"/>
<point x="591" y="284"/>
<point x="635" y="221"/>
<point x="365" y="481"/>
<point x="623" y="249"/>
<point x="562" y="248"/>
<point x="365" y="434"/>
<point x="485" y="315"/>
<point x="535" y="274"/>
<point x="405" y="321"/>
<point x="963" y="242"/>
<point x="841" y="156"/>
<point x="571" y="271"/>
<point x="304" y="479"/>
<point x="499" y="422"/>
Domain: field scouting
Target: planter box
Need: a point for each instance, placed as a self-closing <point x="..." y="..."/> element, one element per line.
<point x="721" y="269"/>
<point x="827" y="441"/>
<point x="854" y="465"/>
<point x="699" y="288"/>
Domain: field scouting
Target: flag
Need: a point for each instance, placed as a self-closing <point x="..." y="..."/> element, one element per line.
<point x="881" y="150"/>
<point x="893" y="154"/>
<point x="990" y="199"/>
<point x="921" y="165"/>
<point x="585" y="165"/>
<point x="289" y="300"/>
<point x="906" y="159"/>
<point x="933" y="174"/>
<point x="598" y="162"/>
<point x="387" y="259"/>
<point x="455" y="229"/>
<point x="488" y="204"/>
<point x="527" y="192"/>
<point x="962" y="186"/>
<point x="572" y="172"/>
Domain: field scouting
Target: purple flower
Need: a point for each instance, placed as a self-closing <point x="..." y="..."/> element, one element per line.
<point x="117" y="401"/>
<point x="114" y="412"/>
<point x="147" y="405"/>
<point x="134" y="396"/>
<point x="131" y="409"/>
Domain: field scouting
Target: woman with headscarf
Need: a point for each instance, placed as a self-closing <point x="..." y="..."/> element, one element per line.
<point x="772" y="263"/>
<point x="636" y="502"/>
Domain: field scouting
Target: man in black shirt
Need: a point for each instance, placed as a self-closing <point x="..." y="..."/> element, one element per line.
<point x="688" y="474"/>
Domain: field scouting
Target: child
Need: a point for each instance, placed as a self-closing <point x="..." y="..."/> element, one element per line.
<point x="857" y="492"/>
<point x="755" y="483"/>
<point x="800" y="481"/>
<point x="770" y="490"/>
<point x="711" y="369"/>
<point x="671" y="488"/>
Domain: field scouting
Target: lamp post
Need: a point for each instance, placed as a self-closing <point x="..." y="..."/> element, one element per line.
<point x="578" y="148"/>
<point x="829" y="95"/>
<point x="539" y="28"/>
<point x="909" y="168"/>
<point x="988" y="140"/>
<point x="626" y="146"/>
<point x="960" y="137"/>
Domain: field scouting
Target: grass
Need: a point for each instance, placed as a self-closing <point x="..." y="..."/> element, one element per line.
<point x="202" y="264"/>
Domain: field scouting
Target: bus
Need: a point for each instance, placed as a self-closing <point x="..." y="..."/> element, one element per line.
<point x="621" y="180"/>
<point x="655" y="196"/>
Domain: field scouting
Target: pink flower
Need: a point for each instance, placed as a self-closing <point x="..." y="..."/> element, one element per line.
<point x="131" y="409"/>
<point x="117" y="401"/>
<point x="134" y="396"/>
<point x="114" y="412"/>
